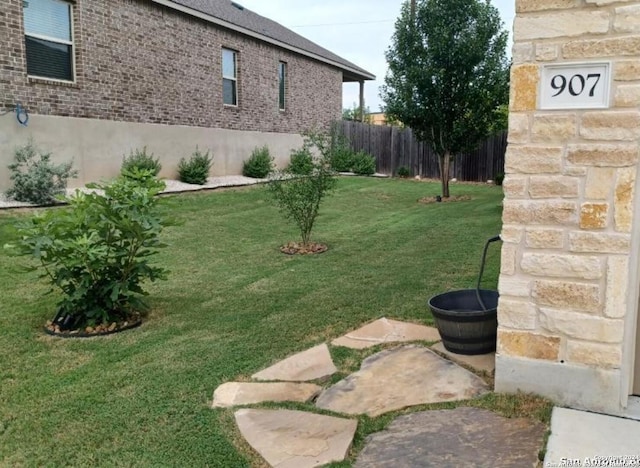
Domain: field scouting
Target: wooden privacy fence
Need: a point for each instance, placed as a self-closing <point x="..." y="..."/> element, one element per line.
<point x="395" y="147"/>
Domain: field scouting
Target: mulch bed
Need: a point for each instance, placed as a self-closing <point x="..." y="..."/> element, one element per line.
<point x="298" y="248"/>
<point x="99" y="330"/>
<point x="457" y="198"/>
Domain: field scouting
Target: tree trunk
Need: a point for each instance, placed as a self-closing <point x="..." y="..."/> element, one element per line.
<point x="445" y="165"/>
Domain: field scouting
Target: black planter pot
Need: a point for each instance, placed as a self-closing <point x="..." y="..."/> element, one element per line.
<point x="464" y="325"/>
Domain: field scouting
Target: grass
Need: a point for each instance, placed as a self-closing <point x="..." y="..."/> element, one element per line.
<point x="233" y="305"/>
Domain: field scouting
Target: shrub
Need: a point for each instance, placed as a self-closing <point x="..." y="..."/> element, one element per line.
<point x="196" y="169"/>
<point x="299" y="198"/>
<point x="499" y="178"/>
<point x="404" y="172"/>
<point x="341" y="155"/>
<point x="259" y="165"/>
<point x="139" y="159"/>
<point x="364" y="163"/>
<point x="35" y="178"/>
<point x="301" y="162"/>
<point x="97" y="251"/>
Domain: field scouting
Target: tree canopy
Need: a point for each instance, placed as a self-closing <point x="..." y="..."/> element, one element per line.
<point x="448" y="74"/>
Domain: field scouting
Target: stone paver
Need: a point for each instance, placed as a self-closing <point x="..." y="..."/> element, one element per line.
<point x="401" y="377"/>
<point x="311" y="364"/>
<point x="386" y="331"/>
<point x="247" y="393"/>
<point x="479" y="362"/>
<point x="451" y="438"/>
<point x="296" y="439"/>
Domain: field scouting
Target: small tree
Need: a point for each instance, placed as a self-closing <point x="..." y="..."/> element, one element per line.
<point x="354" y="113"/>
<point x="448" y="75"/>
<point x="299" y="197"/>
<point x="98" y="251"/>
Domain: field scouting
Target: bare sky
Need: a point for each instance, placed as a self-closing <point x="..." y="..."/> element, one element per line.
<point x="357" y="30"/>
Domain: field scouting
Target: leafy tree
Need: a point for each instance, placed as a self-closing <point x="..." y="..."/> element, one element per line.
<point x="448" y="75"/>
<point x="353" y="113"/>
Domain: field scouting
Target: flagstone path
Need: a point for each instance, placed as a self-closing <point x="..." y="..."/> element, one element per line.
<point x="387" y="381"/>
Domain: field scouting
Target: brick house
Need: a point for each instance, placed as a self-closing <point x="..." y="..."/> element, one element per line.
<point x="101" y="78"/>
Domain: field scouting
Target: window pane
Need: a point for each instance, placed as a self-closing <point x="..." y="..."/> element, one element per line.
<point x="228" y="63"/>
<point x="49" y="59"/>
<point x="282" y="72"/>
<point x="50" y="18"/>
<point x="229" y="94"/>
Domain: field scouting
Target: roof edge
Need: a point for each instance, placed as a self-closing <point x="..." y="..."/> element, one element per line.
<point x="248" y="32"/>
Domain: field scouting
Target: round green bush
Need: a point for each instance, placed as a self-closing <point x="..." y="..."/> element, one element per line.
<point x="301" y="162"/>
<point x="140" y="160"/>
<point x="259" y="165"/>
<point x="196" y="169"/>
<point x="364" y="164"/>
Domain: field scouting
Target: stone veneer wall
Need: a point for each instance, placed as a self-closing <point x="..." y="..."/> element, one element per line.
<point x="566" y="320"/>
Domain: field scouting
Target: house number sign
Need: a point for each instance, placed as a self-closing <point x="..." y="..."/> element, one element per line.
<point x="575" y="86"/>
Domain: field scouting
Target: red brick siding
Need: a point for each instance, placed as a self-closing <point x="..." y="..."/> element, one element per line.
<point x="141" y="62"/>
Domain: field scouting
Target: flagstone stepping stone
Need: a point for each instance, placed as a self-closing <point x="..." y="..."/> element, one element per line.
<point x="401" y="377"/>
<point x="296" y="439"/>
<point x="311" y="364"/>
<point x="452" y="438"/>
<point x="386" y="331"/>
<point x="479" y="362"/>
<point x="247" y="393"/>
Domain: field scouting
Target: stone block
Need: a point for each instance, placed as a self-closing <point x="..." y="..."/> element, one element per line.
<point x="540" y="212"/>
<point x="508" y="259"/>
<point x="618" y="126"/>
<point x="599" y="242"/>
<point x="574" y="171"/>
<point x="553" y="127"/>
<point x="605" y="2"/>
<point x="525" y="6"/>
<point x="514" y="186"/>
<point x="627" y="96"/>
<point x="518" y="128"/>
<point x="518" y="315"/>
<point x="594" y="215"/>
<point x="562" y="265"/>
<point x="524" y="87"/>
<point x="522" y="52"/>
<point x="515" y="287"/>
<point x="627" y="70"/>
<point x="546" y="52"/>
<point x="544" y="238"/>
<point x="512" y="234"/>
<point x="565" y="24"/>
<point x="584" y="297"/>
<point x="529" y="345"/>
<point x="600" y="48"/>
<point x="599" y="183"/>
<point x="627" y="19"/>
<point x="624" y="196"/>
<point x="617" y="282"/>
<point x="553" y="187"/>
<point x="613" y="155"/>
<point x="581" y="326"/>
<point x="594" y="354"/>
<point x="533" y="159"/>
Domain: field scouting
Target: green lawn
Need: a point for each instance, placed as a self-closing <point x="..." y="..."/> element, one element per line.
<point x="233" y="305"/>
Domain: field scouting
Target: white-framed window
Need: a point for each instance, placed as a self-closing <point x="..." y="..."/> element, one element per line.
<point x="48" y="28"/>
<point x="282" y="85"/>
<point x="229" y="77"/>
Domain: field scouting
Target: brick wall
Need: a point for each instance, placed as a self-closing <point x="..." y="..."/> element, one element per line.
<point x="569" y="194"/>
<point x="140" y="62"/>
